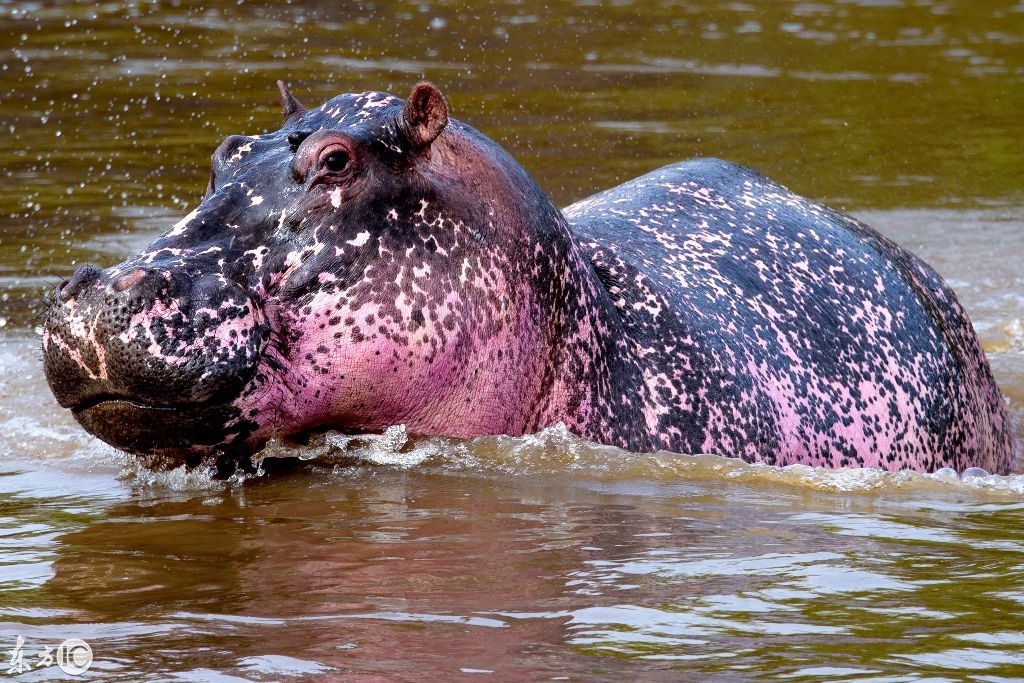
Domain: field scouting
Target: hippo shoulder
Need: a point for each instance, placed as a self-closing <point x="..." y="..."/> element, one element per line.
<point x="697" y="225"/>
<point x="712" y="225"/>
<point x="710" y="189"/>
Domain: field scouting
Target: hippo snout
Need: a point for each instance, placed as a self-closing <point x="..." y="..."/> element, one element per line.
<point x="134" y="350"/>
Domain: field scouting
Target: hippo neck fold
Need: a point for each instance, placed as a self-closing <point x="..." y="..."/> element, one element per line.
<point x="593" y="376"/>
<point x="597" y="374"/>
<point x="575" y="362"/>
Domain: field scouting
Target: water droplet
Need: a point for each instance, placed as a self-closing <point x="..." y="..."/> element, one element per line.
<point x="972" y="472"/>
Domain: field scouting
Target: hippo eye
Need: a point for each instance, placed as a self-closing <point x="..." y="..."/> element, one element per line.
<point x="336" y="161"/>
<point x="326" y="157"/>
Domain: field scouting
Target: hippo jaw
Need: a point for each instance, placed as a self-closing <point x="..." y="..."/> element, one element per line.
<point x="172" y="434"/>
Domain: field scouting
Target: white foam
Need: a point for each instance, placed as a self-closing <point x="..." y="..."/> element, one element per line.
<point x="556" y="451"/>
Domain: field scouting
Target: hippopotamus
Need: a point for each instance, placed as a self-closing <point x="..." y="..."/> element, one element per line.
<point x="375" y="262"/>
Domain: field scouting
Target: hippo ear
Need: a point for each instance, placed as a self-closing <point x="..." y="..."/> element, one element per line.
<point x="425" y="115"/>
<point x="289" y="105"/>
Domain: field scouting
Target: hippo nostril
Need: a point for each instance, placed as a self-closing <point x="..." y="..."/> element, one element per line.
<point x="82" y="277"/>
<point x="129" y="280"/>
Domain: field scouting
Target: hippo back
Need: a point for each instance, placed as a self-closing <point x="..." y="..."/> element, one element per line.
<point x="781" y="331"/>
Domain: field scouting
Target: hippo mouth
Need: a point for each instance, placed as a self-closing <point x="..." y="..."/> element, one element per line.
<point x="126" y="402"/>
<point x="183" y="431"/>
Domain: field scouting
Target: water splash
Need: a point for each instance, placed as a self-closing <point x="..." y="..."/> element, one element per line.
<point x="392" y="447"/>
<point x="557" y="451"/>
<point x="182" y="478"/>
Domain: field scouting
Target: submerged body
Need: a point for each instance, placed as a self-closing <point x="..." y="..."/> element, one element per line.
<point x="372" y="263"/>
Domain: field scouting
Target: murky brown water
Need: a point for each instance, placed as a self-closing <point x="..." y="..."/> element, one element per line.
<point x="542" y="557"/>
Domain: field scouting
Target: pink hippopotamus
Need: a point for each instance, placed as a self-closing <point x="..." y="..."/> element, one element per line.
<point x="375" y="262"/>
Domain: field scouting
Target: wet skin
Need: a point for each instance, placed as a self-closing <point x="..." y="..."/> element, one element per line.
<point x="374" y="262"/>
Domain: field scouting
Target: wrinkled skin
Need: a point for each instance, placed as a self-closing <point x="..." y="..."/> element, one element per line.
<point x="374" y="263"/>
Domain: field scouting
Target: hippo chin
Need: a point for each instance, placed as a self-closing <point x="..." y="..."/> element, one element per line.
<point x="374" y="263"/>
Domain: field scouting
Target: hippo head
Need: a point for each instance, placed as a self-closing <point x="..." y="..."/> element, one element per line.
<point x="371" y="263"/>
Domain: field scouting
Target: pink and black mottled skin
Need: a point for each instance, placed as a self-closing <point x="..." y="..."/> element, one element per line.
<point x="375" y="263"/>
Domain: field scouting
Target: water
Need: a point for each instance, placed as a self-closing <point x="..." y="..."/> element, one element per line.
<point x="540" y="557"/>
